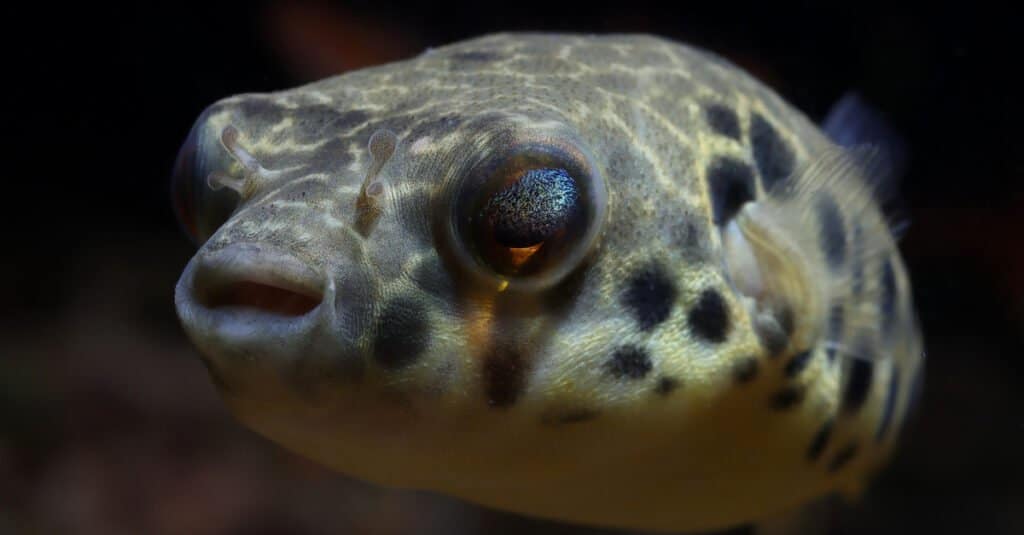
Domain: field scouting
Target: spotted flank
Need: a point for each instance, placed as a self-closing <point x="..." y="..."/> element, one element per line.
<point x="607" y="280"/>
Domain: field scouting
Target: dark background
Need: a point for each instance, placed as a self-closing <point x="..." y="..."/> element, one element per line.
<point x="108" y="423"/>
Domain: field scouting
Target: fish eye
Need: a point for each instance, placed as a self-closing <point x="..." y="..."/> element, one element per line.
<point x="528" y="215"/>
<point x="199" y="208"/>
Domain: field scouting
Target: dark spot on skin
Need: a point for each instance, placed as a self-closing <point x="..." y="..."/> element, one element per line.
<point x="835" y="330"/>
<point x="629" y="362"/>
<point x="649" y="296"/>
<point x="833" y="235"/>
<point x="574" y="416"/>
<point x="887" y="299"/>
<point x="745" y="370"/>
<point x="774" y="158"/>
<point x="402" y="333"/>
<point x="666" y="385"/>
<point x="858" y="384"/>
<point x="843" y="457"/>
<point x="722" y="119"/>
<point x="889" y="408"/>
<point x="504" y="377"/>
<point x="731" y="185"/>
<point x="798" y="363"/>
<point x="709" y="318"/>
<point x="820" y="440"/>
<point x="787" y="398"/>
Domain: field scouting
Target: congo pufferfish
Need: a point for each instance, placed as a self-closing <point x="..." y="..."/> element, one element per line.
<point x="610" y="280"/>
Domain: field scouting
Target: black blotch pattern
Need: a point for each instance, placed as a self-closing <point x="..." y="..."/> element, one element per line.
<point x="833" y="234"/>
<point x="629" y="362"/>
<point x="820" y="440"/>
<point x="857" y="386"/>
<point x="402" y="333"/>
<point x="787" y="398"/>
<point x="835" y="330"/>
<point x="774" y="158"/>
<point x="798" y="363"/>
<point x="722" y="119"/>
<point x="731" y="184"/>
<point x="843" y="457"/>
<point x="889" y="408"/>
<point x="745" y="370"/>
<point x="709" y="318"/>
<point x="649" y="296"/>
<point x="504" y="377"/>
<point x="666" y="385"/>
<point x="887" y="299"/>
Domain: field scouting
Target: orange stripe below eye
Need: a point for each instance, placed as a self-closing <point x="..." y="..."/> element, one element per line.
<point x="478" y="326"/>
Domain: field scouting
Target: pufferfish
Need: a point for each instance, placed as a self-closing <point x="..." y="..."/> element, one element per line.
<point x="609" y="280"/>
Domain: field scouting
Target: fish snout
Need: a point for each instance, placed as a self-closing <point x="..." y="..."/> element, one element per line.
<point x="258" y="313"/>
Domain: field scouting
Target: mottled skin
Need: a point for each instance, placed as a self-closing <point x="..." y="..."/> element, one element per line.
<point x="633" y="391"/>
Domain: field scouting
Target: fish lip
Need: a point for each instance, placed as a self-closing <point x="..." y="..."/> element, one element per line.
<point x="244" y="330"/>
<point x="261" y="264"/>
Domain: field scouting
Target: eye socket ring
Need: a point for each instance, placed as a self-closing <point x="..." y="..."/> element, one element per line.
<point x="528" y="214"/>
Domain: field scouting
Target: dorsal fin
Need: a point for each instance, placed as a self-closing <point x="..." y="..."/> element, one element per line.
<point x="852" y="122"/>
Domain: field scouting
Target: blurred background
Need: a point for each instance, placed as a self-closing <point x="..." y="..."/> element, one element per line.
<point x="108" y="422"/>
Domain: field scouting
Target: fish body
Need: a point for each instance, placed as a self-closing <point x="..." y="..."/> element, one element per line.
<point x="611" y="280"/>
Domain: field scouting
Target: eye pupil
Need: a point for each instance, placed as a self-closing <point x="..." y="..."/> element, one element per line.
<point x="532" y="209"/>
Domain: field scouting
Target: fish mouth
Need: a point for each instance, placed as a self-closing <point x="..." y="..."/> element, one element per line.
<point x="251" y="297"/>
<point x="257" y="279"/>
